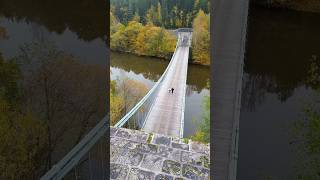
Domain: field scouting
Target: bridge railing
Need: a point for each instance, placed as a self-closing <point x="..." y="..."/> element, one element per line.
<point x="87" y="160"/>
<point x="135" y="118"/>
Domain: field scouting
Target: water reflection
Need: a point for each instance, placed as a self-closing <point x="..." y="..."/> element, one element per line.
<point x="152" y="68"/>
<point x="281" y="49"/>
<point x="86" y="18"/>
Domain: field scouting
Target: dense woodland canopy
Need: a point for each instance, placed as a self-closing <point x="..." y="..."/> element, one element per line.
<point x="170" y="14"/>
<point x="141" y="27"/>
<point x="136" y="38"/>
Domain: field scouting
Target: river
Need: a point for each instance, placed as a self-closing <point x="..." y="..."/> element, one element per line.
<point x="148" y="70"/>
<point x="279" y="48"/>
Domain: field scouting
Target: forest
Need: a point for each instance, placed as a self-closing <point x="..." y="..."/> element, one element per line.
<point x="170" y="14"/>
<point x="147" y="40"/>
<point x="144" y="27"/>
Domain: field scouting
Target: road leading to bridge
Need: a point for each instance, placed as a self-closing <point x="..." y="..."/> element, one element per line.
<point x="166" y="116"/>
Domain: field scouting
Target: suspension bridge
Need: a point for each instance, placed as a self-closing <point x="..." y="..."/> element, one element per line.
<point x="166" y="116"/>
<point x="161" y="110"/>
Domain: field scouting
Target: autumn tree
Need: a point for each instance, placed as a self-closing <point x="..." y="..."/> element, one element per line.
<point x="142" y="40"/>
<point x="159" y="15"/>
<point x="201" y="38"/>
<point x="151" y="15"/>
<point x="136" y="17"/>
<point x="116" y="104"/>
<point x="140" y="46"/>
<point x="131" y="92"/>
<point x="125" y="37"/>
<point x="124" y="94"/>
<point x="117" y="38"/>
<point x="22" y="135"/>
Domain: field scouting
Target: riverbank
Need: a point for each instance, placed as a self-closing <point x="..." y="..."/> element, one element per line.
<point x="296" y="5"/>
<point x="166" y="58"/>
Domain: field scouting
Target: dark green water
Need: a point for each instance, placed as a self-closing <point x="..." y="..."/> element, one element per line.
<point x="280" y="47"/>
<point x="148" y="70"/>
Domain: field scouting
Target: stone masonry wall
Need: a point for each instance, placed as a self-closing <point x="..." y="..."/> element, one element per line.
<point x="136" y="155"/>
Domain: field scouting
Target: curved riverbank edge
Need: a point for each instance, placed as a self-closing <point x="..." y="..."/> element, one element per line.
<point x="312" y="6"/>
<point x="157" y="57"/>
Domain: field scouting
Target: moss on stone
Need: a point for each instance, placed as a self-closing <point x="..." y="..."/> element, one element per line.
<point x="149" y="138"/>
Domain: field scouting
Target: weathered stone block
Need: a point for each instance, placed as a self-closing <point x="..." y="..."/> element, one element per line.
<point x="171" y="167"/>
<point x="152" y="162"/>
<point x="169" y="153"/>
<point x="147" y="148"/>
<point x="131" y="157"/>
<point x="115" y="153"/>
<point x="161" y="139"/>
<point x="163" y="177"/>
<point x="200" y="148"/>
<point x="133" y="135"/>
<point x="123" y="143"/>
<point x="195" y="159"/>
<point x="118" y="171"/>
<point x="139" y="174"/>
<point x="180" y="146"/>
<point x="113" y="131"/>
<point x="195" y="173"/>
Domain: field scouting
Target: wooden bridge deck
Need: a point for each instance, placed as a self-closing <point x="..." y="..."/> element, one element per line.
<point x="167" y="113"/>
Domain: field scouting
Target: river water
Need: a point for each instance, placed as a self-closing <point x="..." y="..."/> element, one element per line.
<point x="148" y="70"/>
<point x="279" y="48"/>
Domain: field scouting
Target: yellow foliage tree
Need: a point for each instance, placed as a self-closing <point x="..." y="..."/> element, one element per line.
<point x="201" y="38"/>
<point x="123" y="96"/>
<point x="116" y="107"/>
<point x="147" y="40"/>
